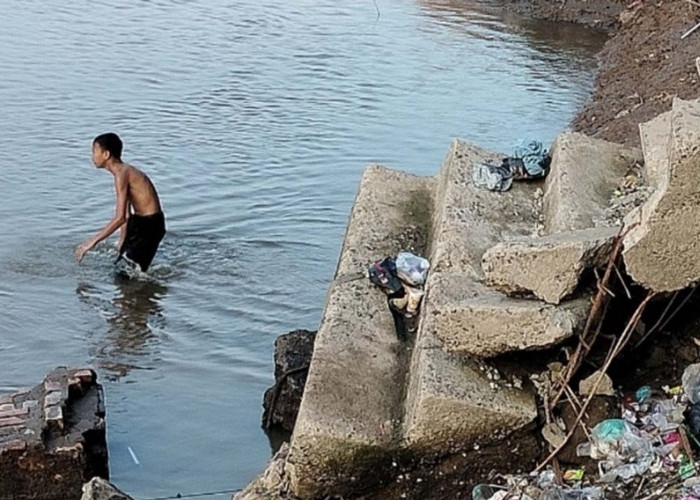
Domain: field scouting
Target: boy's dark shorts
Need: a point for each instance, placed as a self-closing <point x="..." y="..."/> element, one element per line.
<point x="143" y="235"/>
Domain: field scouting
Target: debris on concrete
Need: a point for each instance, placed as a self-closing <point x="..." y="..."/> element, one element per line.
<point x="52" y="437"/>
<point x="530" y="160"/>
<point x="401" y="279"/>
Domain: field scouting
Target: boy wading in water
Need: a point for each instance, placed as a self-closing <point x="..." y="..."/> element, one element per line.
<point x="137" y="213"/>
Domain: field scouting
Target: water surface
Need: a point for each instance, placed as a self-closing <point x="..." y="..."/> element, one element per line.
<point x="255" y="120"/>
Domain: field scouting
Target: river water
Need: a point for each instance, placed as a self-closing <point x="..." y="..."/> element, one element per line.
<point x="255" y="119"/>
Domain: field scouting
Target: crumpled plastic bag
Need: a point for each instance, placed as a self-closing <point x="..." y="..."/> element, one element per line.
<point x="691" y="382"/>
<point x="618" y="441"/>
<point x="411" y="268"/>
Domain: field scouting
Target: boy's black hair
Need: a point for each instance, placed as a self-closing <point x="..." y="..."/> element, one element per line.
<point x="112" y="143"/>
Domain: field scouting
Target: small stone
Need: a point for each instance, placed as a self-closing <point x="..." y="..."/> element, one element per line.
<point x="605" y="387"/>
<point x="553" y="434"/>
<point x="7" y="407"/>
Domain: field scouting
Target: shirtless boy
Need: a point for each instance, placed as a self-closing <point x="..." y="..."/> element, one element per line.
<point x="137" y="213"/>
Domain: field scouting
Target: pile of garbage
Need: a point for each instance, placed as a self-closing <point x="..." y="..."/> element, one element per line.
<point x="402" y="279"/>
<point x="647" y="453"/>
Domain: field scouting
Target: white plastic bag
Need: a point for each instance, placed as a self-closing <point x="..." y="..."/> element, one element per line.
<point x="411" y="268"/>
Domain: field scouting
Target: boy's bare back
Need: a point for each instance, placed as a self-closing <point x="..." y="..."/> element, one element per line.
<point x="141" y="193"/>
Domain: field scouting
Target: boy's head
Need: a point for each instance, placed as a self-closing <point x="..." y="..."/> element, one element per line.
<point x="106" y="146"/>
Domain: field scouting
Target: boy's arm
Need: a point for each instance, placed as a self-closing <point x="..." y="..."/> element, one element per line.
<point x="122" y="236"/>
<point x="121" y="185"/>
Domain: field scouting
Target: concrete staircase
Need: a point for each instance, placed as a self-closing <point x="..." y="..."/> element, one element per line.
<point x="370" y="398"/>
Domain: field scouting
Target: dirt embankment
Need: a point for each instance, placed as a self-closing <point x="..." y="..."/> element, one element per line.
<point x="644" y="64"/>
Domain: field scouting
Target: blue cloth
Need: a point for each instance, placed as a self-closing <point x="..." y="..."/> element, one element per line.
<point x="533" y="155"/>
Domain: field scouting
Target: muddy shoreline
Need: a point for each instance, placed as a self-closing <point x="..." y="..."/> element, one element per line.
<point x="643" y="65"/>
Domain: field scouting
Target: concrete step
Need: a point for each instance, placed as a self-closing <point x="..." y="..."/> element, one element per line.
<point x="661" y="249"/>
<point x="468" y="220"/>
<point x="351" y="411"/>
<point x="459" y="309"/>
<point x="450" y="402"/>
<point x="584" y="175"/>
<point x="548" y="267"/>
<point x="473" y="320"/>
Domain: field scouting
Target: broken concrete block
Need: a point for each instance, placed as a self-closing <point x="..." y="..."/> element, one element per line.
<point x="548" y="267"/>
<point x="605" y="387"/>
<point x="471" y="319"/>
<point x="50" y="451"/>
<point x="584" y="175"/>
<point x="661" y="249"/>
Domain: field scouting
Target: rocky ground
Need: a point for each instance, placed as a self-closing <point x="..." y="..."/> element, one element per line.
<point x="644" y="64"/>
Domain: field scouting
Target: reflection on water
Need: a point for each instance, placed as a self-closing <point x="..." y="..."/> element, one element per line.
<point x="255" y="119"/>
<point x="134" y="318"/>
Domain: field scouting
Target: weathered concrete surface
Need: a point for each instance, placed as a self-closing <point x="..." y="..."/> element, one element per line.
<point x="450" y="403"/>
<point x="281" y="402"/>
<point x="99" y="489"/>
<point x="468" y="220"/>
<point x="349" y="419"/>
<point x="655" y="136"/>
<point x="459" y="309"/>
<point x="471" y="319"/>
<point x="549" y="267"/>
<point x="661" y="253"/>
<point x="585" y="173"/>
<point x="52" y="437"/>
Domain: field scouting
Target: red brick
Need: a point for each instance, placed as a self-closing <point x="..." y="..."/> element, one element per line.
<point x="84" y="375"/>
<point x="14" y="445"/>
<point x="6" y="422"/>
<point x="52" y="385"/>
<point x="13" y="413"/>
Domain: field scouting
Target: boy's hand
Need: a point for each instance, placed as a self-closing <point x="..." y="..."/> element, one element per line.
<point x="82" y="250"/>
